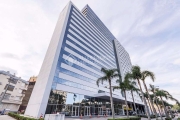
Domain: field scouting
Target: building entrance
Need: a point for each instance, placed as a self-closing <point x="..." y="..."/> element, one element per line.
<point x="75" y="111"/>
<point x="87" y="111"/>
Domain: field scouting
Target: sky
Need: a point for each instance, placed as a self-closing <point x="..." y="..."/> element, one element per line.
<point x="148" y="29"/>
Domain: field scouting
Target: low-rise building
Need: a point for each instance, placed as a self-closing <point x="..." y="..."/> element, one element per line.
<point x="16" y="88"/>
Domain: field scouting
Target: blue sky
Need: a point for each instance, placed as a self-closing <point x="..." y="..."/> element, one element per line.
<point x="148" y="29"/>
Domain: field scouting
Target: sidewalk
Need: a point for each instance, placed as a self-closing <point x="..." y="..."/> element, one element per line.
<point x="6" y="117"/>
<point x="105" y="118"/>
<point x="93" y="118"/>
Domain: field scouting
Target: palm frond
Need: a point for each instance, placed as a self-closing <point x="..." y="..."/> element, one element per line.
<point x="102" y="79"/>
<point x="128" y="76"/>
<point x="148" y="74"/>
<point x="115" y="75"/>
<point x="136" y="72"/>
<point x="118" y="81"/>
<point x="116" y="87"/>
<point x="104" y="70"/>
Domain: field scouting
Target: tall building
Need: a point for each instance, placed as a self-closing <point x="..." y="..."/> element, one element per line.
<point x="16" y="88"/>
<point x="28" y="93"/>
<point x="80" y="46"/>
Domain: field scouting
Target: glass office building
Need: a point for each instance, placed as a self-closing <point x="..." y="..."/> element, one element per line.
<point x="80" y="46"/>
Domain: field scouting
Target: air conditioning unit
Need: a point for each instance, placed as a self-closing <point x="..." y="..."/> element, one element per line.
<point x="0" y="83"/>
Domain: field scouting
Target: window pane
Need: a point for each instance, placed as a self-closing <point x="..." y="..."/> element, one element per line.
<point x="10" y="87"/>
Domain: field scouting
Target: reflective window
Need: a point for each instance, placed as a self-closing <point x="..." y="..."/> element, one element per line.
<point x="73" y="104"/>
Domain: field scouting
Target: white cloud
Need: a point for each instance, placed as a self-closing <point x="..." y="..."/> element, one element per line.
<point x="149" y="30"/>
<point x="177" y="62"/>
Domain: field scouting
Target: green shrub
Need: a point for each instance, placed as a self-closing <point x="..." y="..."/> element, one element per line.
<point x="168" y="119"/>
<point x="178" y="119"/>
<point x="130" y="118"/>
<point x="18" y="117"/>
<point x="145" y="116"/>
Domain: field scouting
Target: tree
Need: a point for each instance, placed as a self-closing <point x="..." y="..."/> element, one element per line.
<point x="176" y="107"/>
<point x="124" y="86"/>
<point x="132" y="88"/>
<point x="109" y="74"/>
<point x="164" y="94"/>
<point x="153" y="89"/>
<point x="136" y="74"/>
<point x="150" y="74"/>
<point x="146" y="97"/>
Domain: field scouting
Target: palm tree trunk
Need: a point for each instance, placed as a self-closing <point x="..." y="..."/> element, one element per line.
<point x="149" y="105"/>
<point x="164" y="108"/>
<point x="159" y="109"/>
<point x="150" y="99"/>
<point x="111" y="99"/>
<point x="145" y="103"/>
<point x="134" y="102"/>
<point x="126" y="104"/>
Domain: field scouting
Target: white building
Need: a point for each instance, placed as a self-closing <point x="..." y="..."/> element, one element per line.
<point x="15" y="91"/>
<point x="80" y="46"/>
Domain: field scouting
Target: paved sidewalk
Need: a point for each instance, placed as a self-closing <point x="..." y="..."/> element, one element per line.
<point x="105" y="118"/>
<point x="94" y="118"/>
<point x="6" y="117"/>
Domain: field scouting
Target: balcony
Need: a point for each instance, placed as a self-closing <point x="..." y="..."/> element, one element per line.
<point x="11" y="101"/>
<point x="24" y="87"/>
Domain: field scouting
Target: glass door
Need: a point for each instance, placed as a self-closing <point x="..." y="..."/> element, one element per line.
<point x="87" y="111"/>
<point x="108" y="111"/>
<point x="75" y="111"/>
<point x="100" y="111"/>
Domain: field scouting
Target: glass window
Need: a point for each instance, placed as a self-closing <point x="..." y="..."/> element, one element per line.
<point x="57" y="97"/>
<point x="6" y="96"/>
<point x="10" y="87"/>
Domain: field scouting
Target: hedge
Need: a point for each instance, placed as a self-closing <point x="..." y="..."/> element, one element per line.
<point x="168" y="119"/>
<point x="18" y="117"/>
<point x="145" y="116"/>
<point x="130" y="118"/>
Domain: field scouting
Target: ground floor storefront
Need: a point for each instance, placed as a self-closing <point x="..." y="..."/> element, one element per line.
<point x="11" y="106"/>
<point x="75" y="105"/>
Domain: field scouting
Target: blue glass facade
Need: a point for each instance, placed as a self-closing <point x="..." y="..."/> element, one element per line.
<point x="90" y="52"/>
<point x="87" y="46"/>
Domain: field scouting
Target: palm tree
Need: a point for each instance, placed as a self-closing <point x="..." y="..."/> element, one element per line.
<point x="157" y="102"/>
<point x="132" y="88"/>
<point x="124" y="86"/>
<point x="109" y="74"/>
<point x="153" y="89"/>
<point x="136" y="74"/>
<point x="146" y="74"/>
<point x="146" y="97"/>
<point x="163" y="94"/>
